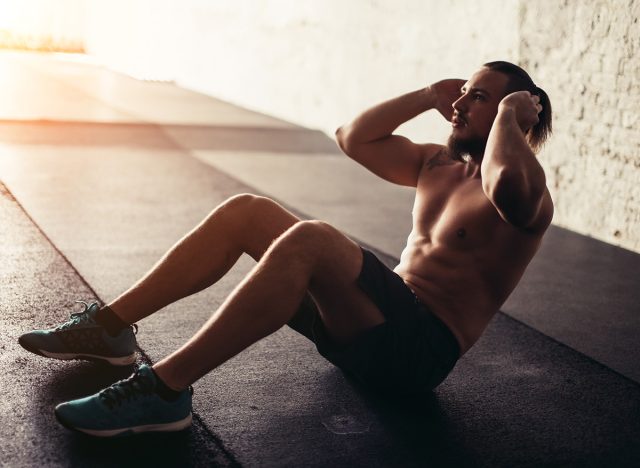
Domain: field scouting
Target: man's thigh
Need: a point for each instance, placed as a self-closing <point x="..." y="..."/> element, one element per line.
<point x="345" y="309"/>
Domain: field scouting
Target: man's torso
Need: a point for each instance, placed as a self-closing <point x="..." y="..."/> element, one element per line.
<point x="462" y="259"/>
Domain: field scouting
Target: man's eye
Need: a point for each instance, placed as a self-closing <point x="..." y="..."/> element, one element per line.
<point x="478" y="97"/>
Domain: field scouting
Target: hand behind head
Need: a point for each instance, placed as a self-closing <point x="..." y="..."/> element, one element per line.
<point x="526" y="107"/>
<point x="446" y="92"/>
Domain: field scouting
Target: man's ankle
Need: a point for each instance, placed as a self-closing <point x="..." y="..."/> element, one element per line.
<point x="163" y="390"/>
<point x="108" y="319"/>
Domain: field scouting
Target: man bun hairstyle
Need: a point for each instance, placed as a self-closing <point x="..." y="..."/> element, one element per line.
<point x="519" y="80"/>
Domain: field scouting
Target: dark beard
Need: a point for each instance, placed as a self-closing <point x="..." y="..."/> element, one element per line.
<point x="458" y="148"/>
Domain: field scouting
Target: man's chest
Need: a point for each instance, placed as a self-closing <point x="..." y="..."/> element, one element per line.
<point x="455" y="213"/>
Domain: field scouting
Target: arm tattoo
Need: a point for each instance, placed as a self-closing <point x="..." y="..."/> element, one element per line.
<point x="441" y="158"/>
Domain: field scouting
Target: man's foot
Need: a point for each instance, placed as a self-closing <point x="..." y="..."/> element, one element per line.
<point x="127" y="407"/>
<point x="83" y="338"/>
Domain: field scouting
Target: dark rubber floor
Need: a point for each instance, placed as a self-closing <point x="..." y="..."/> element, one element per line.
<point x="86" y="208"/>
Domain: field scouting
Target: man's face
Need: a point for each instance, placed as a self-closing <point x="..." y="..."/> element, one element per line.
<point x="475" y="111"/>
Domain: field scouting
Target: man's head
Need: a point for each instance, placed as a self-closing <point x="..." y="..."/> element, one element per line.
<point x="477" y="106"/>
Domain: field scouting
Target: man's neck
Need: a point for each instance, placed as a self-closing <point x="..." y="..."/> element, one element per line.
<point x="472" y="170"/>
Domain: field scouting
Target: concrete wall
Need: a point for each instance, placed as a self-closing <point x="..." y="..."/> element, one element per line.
<point x="313" y="62"/>
<point x="319" y="62"/>
<point x="587" y="53"/>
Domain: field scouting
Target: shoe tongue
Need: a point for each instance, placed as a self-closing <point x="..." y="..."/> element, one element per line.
<point x="147" y="374"/>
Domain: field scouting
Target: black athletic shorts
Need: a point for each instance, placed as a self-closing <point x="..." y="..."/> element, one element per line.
<point x="410" y="353"/>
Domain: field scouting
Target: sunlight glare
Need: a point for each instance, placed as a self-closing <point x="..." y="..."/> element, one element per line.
<point x="45" y="25"/>
<point x="14" y="15"/>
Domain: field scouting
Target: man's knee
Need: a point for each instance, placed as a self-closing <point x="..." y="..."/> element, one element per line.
<point x="244" y="202"/>
<point x="251" y="222"/>
<point x="239" y="209"/>
<point x="311" y="233"/>
<point x="309" y="240"/>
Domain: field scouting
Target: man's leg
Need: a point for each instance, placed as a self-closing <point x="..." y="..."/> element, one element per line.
<point x="243" y="224"/>
<point x="310" y="256"/>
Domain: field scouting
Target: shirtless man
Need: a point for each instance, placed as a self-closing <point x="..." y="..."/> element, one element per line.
<point x="480" y="211"/>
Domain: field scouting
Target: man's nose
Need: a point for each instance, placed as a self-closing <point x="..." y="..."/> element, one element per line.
<point x="460" y="104"/>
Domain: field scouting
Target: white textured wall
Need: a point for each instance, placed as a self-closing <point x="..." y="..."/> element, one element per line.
<point x="319" y="62"/>
<point x="313" y="62"/>
<point x="587" y="53"/>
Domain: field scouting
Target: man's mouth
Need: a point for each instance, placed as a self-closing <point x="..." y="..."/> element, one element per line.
<point x="458" y="121"/>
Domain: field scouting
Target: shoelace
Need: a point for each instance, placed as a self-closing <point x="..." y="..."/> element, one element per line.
<point x="77" y="317"/>
<point x="126" y="389"/>
<point x="80" y="317"/>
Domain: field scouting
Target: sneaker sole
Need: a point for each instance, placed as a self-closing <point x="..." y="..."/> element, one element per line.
<point x="167" y="427"/>
<point x="116" y="361"/>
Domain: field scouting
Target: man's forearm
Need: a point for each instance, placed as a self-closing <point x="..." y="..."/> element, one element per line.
<point x="381" y="120"/>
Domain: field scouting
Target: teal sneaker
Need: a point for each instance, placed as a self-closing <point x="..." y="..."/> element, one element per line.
<point x="83" y="338"/>
<point x="127" y="407"/>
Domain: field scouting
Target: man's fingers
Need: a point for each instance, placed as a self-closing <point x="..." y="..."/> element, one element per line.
<point x="535" y="100"/>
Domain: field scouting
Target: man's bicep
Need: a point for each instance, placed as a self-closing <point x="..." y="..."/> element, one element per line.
<point x="394" y="158"/>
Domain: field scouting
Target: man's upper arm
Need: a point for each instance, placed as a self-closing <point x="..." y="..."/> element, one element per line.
<point x="394" y="158"/>
<point x="544" y="216"/>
